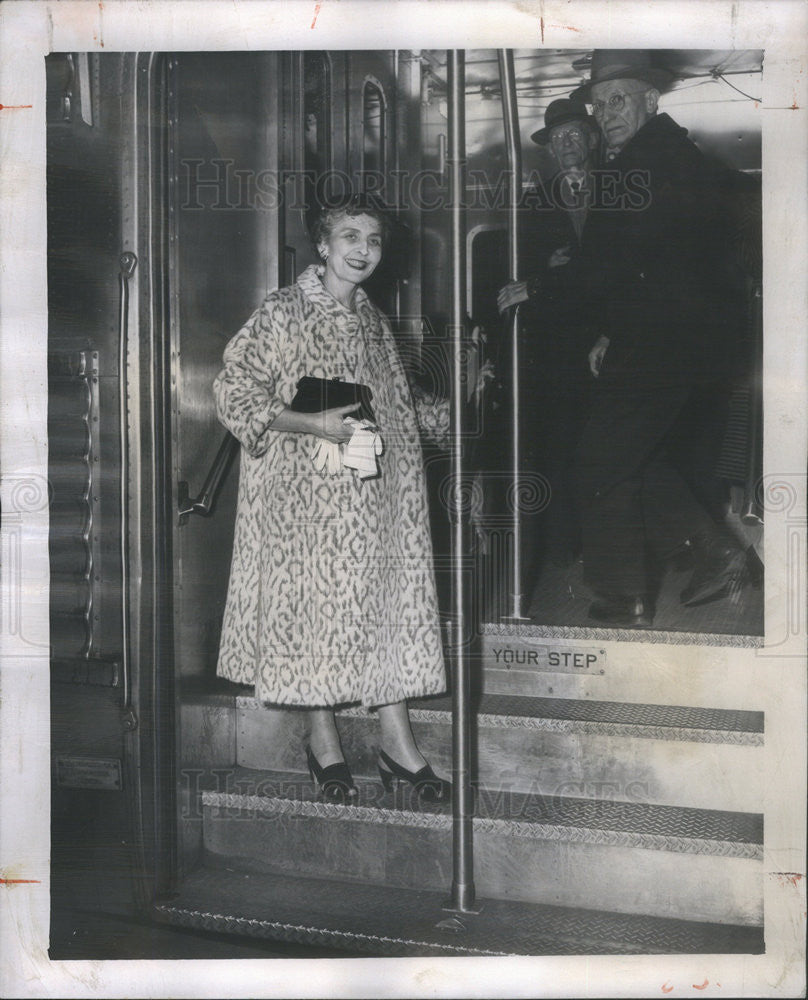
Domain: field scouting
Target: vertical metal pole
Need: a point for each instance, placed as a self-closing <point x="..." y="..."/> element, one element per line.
<point x="510" y="115"/>
<point x="462" y="898"/>
<point x="127" y="262"/>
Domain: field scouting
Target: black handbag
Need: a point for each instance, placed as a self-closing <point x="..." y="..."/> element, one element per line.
<point x="317" y="394"/>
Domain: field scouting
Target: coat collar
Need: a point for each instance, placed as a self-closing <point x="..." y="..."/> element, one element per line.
<point x="310" y="281"/>
<point x="655" y="140"/>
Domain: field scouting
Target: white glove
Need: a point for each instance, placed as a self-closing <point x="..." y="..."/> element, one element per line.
<point x="326" y="456"/>
<point x="361" y="452"/>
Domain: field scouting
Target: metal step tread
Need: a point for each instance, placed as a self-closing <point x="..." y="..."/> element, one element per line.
<point x="618" y="717"/>
<point x="506" y="813"/>
<point x="382" y="920"/>
<point x="669" y="636"/>
<point x="642" y="721"/>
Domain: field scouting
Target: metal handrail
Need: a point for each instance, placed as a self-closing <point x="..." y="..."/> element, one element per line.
<point x="127" y="263"/>
<point x="510" y="116"/>
<point x="203" y="504"/>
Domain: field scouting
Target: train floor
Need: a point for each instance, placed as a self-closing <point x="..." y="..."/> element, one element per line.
<point x="387" y="921"/>
<point x="561" y="597"/>
<point x="93" y="917"/>
<point x="78" y="935"/>
<point x="261" y="916"/>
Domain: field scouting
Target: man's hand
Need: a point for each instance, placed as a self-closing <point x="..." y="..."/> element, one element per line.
<point x="560" y="256"/>
<point x="485" y="374"/>
<point x="511" y="294"/>
<point x="597" y="354"/>
<point x="477" y="376"/>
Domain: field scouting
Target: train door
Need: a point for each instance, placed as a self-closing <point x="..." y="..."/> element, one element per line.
<point x="92" y="823"/>
<point x="114" y="489"/>
<point x="223" y="239"/>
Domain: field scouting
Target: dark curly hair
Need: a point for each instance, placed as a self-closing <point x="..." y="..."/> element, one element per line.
<point x="325" y="218"/>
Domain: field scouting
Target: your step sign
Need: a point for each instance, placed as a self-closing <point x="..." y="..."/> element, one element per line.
<point x="546" y="656"/>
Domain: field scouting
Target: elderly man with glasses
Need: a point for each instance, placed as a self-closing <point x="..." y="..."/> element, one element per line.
<point x="554" y="358"/>
<point x="668" y="320"/>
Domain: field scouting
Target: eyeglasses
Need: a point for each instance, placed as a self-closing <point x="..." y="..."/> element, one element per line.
<point x="615" y="103"/>
<point x="560" y="135"/>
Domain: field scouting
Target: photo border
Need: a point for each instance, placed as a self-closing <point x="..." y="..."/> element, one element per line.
<point x="28" y="31"/>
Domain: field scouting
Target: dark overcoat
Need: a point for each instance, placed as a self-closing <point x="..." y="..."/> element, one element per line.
<point x="657" y="261"/>
<point x="659" y="283"/>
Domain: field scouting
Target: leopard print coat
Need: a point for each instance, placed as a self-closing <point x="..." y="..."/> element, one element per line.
<point x="331" y="596"/>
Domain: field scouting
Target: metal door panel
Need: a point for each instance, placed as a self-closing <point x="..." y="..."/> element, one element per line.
<point x="91" y="830"/>
<point x="223" y="262"/>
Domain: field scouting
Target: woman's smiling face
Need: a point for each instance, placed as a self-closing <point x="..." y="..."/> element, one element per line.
<point x="353" y="248"/>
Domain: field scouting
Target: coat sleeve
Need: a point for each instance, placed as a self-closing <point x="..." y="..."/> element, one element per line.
<point x="244" y="390"/>
<point x="432" y="411"/>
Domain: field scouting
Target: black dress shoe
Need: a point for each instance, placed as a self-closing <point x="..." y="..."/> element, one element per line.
<point x="335" y="781"/>
<point x="427" y="784"/>
<point x="622" y="612"/>
<point x="720" y="570"/>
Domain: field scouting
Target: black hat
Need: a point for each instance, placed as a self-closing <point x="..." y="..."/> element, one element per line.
<point x="622" y="64"/>
<point x="559" y="113"/>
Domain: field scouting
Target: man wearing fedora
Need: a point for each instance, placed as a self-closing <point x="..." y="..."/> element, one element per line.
<point x="667" y="320"/>
<point x="570" y="134"/>
<point x="558" y="338"/>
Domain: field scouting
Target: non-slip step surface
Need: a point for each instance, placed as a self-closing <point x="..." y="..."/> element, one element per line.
<point x="373" y="920"/>
<point x="622" y="718"/>
<point x="676" y="722"/>
<point x="673" y="636"/>
<point x="622" y="713"/>
<point x="704" y="758"/>
<point x="509" y="813"/>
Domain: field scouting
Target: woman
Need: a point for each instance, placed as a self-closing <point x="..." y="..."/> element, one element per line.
<point x="332" y="596"/>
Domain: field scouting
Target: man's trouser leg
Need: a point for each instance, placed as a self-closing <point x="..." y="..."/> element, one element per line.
<point x="623" y="483"/>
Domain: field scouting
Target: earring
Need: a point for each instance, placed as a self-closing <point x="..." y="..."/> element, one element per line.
<point x="323" y="251"/>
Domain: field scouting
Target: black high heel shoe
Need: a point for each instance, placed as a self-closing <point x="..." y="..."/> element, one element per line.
<point x="429" y="786"/>
<point x="335" y="781"/>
